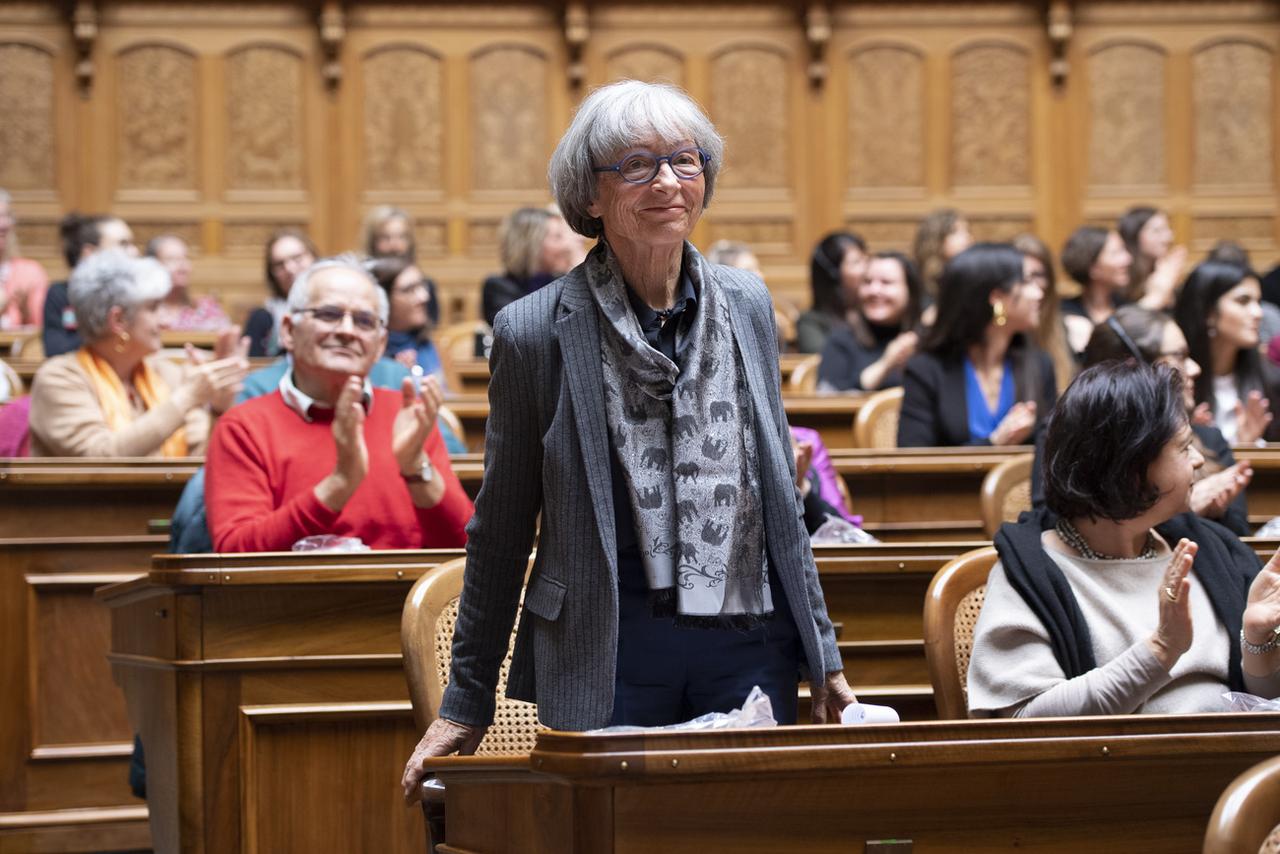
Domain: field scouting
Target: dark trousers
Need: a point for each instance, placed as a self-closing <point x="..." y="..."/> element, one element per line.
<point x="667" y="674"/>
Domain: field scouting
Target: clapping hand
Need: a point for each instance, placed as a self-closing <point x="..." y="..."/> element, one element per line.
<point x="1174" y="633"/>
<point x="214" y="381"/>
<point x="1253" y="415"/>
<point x="1211" y="495"/>
<point x="1016" y="425"/>
<point x="1262" y="613"/>
<point x="414" y="421"/>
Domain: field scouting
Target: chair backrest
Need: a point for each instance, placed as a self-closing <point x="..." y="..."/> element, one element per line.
<point x="426" y="640"/>
<point x="1246" y="819"/>
<point x="29" y="347"/>
<point x="804" y="377"/>
<point x="448" y="416"/>
<point x="876" y="424"/>
<point x="457" y="343"/>
<point x="951" y="609"/>
<point x="1006" y="492"/>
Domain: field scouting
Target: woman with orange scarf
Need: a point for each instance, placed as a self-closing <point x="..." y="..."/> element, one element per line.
<point x="114" y="397"/>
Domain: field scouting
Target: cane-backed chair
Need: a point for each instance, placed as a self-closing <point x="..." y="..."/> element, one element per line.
<point x="951" y="609"/>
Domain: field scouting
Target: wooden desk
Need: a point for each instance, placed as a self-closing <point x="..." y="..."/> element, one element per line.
<point x="1100" y="785"/>
<point x="278" y="680"/>
<point x="53" y="496"/>
<point x="10" y="337"/>
<point x="65" y="739"/>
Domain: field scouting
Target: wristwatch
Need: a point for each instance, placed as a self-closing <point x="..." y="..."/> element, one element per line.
<point x="1261" y="648"/>
<point x="424" y="474"/>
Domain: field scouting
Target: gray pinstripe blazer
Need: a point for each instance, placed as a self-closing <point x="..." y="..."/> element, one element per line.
<point x="547" y="451"/>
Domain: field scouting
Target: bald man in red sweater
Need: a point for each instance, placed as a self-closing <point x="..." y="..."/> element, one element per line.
<point x="327" y="453"/>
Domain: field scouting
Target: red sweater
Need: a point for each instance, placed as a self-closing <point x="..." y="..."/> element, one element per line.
<point x="264" y="461"/>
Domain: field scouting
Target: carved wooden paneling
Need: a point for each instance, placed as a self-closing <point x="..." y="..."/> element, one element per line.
<point x="482" y="237"/>
<point x="749" y="106"/>
<point x="509" y="119"/>
<point x="885" y="233"/>
<point x="145" y="229"/>
<point x="886" y="117"/>
<point x="39" y="236"/>
<point x="1126" y="116"/>
<point x="1000" y="228"/>
<point x="156" y="106"/>
<point x="249" y="238"/>
<point x="1232" y="97"/>
<point x="650" y="63"/>
<point x="26" y="129"/>
<point x="264" y="119"/>
<point x="765" y="236"/>
<point x="431" y="236"/>
<point x="1244" y="228"/>
<point x="404" y="120"/>
<point x="991" y="116"/>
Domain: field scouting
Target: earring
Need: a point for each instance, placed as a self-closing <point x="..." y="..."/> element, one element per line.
<point x="119" y="346"/>
<point x="997" y="313"/>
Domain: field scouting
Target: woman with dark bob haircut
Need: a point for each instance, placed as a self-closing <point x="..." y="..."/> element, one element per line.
<point x="1220" y="312"/>
<point x="836" y="268"/>
<point x="1115" y="599"/>
<point x="979" y="380"/>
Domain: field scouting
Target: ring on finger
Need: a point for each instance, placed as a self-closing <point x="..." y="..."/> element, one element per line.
<point x="1170" y="594"/>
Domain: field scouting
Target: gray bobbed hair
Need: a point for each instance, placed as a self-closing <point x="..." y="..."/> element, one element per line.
<point x="612" y="120"/>
<point x="300" y="293"/>
<point x="109" y="278"/>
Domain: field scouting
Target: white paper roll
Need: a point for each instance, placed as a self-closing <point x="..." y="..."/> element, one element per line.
<point x="864" y="713"/>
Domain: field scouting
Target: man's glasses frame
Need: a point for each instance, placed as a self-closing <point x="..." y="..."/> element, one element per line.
<point x="332" y="316"/>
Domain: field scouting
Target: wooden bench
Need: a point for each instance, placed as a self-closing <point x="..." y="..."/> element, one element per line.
<point x="1105" y="785"/>
<point x="65" y="738"/>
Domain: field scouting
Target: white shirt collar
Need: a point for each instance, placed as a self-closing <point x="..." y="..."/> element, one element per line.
<point x="302" y="404"/>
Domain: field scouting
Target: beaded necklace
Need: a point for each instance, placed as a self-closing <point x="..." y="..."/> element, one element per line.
<point x="1076" y="540"/>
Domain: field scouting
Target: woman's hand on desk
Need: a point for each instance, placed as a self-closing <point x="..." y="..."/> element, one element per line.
<point x="829" y="698"/>
<point x="442" y="738"/>
<point x="1174" y="633"/>
<point x="1016" y="425"/>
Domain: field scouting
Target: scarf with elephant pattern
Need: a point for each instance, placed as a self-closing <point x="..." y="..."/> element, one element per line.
<point x="685" y="441"/>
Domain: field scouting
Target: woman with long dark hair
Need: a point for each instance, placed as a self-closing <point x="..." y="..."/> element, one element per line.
<point x="836" y="267"/>
<point x="1220" y="312"/>
<point x="979" y="380"/>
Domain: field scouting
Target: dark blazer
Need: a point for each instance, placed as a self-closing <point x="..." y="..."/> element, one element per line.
<point x="935" y="413"/>
<point x="547" y="452"/>
<point x="496" y="293"/>
<point x="56" y="336"/>
<point x="844" y="358"/>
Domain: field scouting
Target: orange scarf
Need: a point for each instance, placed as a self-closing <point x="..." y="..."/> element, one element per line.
<point x="114" y="400"/>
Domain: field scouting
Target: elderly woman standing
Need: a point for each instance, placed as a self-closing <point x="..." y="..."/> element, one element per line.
<point x="1116" y="600"/>
<point x="112" y="397"/>
<point x="635" y="404"/>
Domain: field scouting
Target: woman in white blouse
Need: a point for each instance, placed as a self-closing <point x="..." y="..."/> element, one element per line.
<point x="1115" y="599"/>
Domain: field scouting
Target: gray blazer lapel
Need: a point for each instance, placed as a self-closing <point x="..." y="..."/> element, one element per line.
<point x="579" y="335"/>
<point x="753" y="363"/>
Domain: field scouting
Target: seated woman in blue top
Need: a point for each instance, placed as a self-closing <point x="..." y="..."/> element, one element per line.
<point x="978" y="379"/>
<point x="409" y="326"/>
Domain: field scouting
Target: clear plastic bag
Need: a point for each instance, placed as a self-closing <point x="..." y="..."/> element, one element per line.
<point x="757" y="711"/>
<point x="1238" y="701"/>
<point x="330" y="543"/>
<point x="837" y="530"/>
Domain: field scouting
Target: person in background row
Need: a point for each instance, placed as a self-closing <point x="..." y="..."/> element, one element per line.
<point x="388" y="232"/>
<point x="327" y="452"/>
<point x="287" y="253"/>
<point x="23" y="281"/>
<point x="1115" y="600"/>
<point x="978" y="379"/>
<point x="1152" y="338"/>
<point x="1098" y="261"/>
<point x="869" y="350"/>
<point x="1220" y="312"/>
<point x="1051" y="334"/>
<point x="82" y="235"/>
<point x="180" y="310"/>
<point x="732" y="253"/>
<point x="408" y="327"/>
<point x="114" y="397"/>
<point x="836" y="268"/>
<point x="637" y="411"/>
<point x="535" y="246"/>
<point x="941" y="235"/>
<point x="1230" y="252"/>
<point x="1157" y="264"/>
